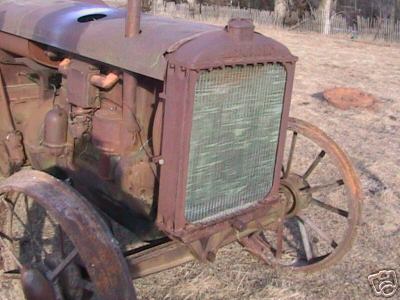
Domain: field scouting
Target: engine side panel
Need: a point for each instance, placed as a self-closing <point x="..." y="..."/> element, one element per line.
<point x="73" y="26"/>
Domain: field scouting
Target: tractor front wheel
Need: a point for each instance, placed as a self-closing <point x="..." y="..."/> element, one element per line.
<point x="54" y="245"/>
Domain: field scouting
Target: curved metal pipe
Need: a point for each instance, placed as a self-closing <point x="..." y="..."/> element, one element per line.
<point x="63" y="66"/>
<point x="105" y="81"/>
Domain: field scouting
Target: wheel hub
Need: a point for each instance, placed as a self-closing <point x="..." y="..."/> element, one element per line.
<point x="36" y="286"/>
<point x="295" y="189"/>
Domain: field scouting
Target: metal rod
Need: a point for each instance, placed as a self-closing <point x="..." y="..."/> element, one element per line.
<point x="5" y="113"/>
<point x="314" y="164"/>
<point x="319" y="188"/>
<point x="61" y="267"/>
<point x="130" y="127"/>
<point x="27" y="231"/>
<point x="14" y="257"/>
<point x="306" y="241"/>
<point x="132" y="23"/>
<point x="159" y="258"/>
<point x="331" y="208"/>
<point x="291" y="152"/>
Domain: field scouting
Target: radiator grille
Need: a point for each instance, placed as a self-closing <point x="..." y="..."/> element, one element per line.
<point x="236" y="121"/>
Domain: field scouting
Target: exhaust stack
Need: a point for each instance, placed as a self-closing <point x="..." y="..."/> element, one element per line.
<point x="132" y="23"/>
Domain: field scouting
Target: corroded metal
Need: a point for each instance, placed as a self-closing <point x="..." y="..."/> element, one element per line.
<point x="132" y="23"/>
<point x="12" y="156"/>
<point x="298" y="195"/>
<point x="36" y="286"/>
<point x="111" y="105"/>
<point x="183" y="74"/>
<point x="57" y="25"/>
<point x="55" y="128"/>
<point x="97" y="248"/>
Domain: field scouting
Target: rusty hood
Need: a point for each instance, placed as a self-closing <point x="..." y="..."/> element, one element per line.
<point x="64" y="25"/>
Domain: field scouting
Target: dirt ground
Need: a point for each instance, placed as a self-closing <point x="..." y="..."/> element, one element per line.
<point x="370" y="136"/>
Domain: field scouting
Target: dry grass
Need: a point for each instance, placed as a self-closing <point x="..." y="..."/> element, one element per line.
<point x="372" y="139"/>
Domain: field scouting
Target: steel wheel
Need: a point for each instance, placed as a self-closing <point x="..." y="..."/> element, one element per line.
<point x="323" y="201"/>
<point x="36" y="250"/>
<point x="54" y="245"/>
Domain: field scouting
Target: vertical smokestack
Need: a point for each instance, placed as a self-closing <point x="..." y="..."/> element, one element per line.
<point x="132" y="24"/>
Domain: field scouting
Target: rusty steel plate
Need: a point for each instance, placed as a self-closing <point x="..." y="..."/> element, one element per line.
<point x="64" y="25"/>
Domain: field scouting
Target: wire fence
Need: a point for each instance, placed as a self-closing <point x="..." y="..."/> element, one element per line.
<point x="356" y="28"/>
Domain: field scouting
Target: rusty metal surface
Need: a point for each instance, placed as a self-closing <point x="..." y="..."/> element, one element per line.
<point x="6" y="120"/>
<point x="55" y="128"/>
<point x="12" y="156"/>
<point x="36" y="286"/>
<point x="128" y="136"/>
<point x="103" y="40"/>
<point x="228" y="47"/>
<point x="257" y="244"/>
<point x="159" y="258"/>
<point x="177" y="129"/>
<point x="351" y="181"/>
<point x="175" y="253"/>
<point x="97" y="248"/>
<point x="132" y="23"/>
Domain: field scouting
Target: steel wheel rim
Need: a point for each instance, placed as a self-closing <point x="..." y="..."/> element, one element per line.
<point x="99" y="251"/>
<point x="351" y="183"/>
<point x="54" y="266"/>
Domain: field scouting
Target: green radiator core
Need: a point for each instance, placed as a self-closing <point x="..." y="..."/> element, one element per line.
<point x="236" y="121"/>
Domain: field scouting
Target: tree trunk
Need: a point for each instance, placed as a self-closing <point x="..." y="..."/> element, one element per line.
<point x="281" y="10"/>
<point x="192" y="7"/>
<point x="326" y="9"/>
<point x="394" y="14"/>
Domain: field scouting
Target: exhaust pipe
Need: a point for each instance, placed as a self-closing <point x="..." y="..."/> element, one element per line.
<point x="129" y="87"/>
<point x="132" y="23"/>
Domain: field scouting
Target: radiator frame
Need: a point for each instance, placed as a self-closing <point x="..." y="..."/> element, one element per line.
<point x="177" y="101"/>
<point x="242" y="77"/>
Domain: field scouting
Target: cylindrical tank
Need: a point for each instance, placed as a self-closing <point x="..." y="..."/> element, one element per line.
<point x="55" y="128"/>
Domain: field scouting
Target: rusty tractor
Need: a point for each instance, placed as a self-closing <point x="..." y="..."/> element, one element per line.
<point x="132" y="143"/>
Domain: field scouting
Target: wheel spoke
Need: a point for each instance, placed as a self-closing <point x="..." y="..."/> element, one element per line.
<point x="279" y="241"/>
<point x="61" y="240"/>
<point x="11" y="253"/>
<point x="26" y="228"/>
<point x="328" y="186"/>
<point x="318" y="231"/>
<point x="11" y="275"/>
<point x="5" y="236"/>
<point x="314" y="164"/>
<point x="51" y="221"/>
<point x="27" y="210"/>
<point x="61" y="267"/>
<point x="309" y="242"/>
<point x="11" y="216"/>
<point x="21" y="222"/>
<point x="306" y="241"/>
<point x="331" y="208"/>
<point x="11" y="213"/>
<point x="28" y="218"/>
<point x="48" y="244"/>
<point x="291" y="152"/>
